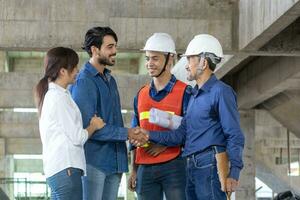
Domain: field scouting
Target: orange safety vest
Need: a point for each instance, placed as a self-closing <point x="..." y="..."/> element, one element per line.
<point x="171" y="103"/>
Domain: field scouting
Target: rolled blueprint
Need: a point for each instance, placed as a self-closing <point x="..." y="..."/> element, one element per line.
<point x="164" y="119"/>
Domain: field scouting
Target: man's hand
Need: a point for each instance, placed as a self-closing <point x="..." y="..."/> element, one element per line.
<point x="138" y="136"/>
<point x="132" y="181"/>
<point x="231" y="185"/>
<point x="155" y="149"/>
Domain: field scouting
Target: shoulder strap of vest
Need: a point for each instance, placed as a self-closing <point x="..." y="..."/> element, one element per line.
<point x="142" y="88"/>
<point x="137" y="97"/>
<point x="182" y="84"/>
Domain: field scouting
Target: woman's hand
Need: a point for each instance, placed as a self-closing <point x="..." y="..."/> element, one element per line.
<point x="97" y="122"/>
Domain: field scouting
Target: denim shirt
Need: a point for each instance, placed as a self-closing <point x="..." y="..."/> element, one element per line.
<point x="212" y="118"/>
<point x="97" y="93"/>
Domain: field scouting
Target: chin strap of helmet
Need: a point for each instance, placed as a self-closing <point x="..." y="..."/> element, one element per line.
<point x="164" y="68"/>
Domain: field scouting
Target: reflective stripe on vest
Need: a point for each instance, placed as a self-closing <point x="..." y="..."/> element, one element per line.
<point x="146" y="114"/>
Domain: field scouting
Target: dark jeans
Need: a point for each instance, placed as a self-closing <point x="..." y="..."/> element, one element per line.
<point x="155" y="180"/>
<point x="66" y="184"/>
<point x="202" y="177"/>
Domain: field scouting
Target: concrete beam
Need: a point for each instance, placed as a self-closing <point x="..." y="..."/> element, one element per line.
<point x="133" y="21"/>
<point x="271" y="52"/>
<point x="19" y="125"/>
<point x="280" y="143"/>
<point x="16" y="89"/>
<point x="19" y="133"/>
<point x="287" y="41"/>
<point x="285" y="108"/>
<point x="266" y="77"/>
<point x="261" y="20"/>
<point x="229" y="64"/>
<point x="25" y="125"/>
<point x="23" y="146"/>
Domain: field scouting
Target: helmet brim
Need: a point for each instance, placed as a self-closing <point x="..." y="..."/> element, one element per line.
<point x="158" y="51"/>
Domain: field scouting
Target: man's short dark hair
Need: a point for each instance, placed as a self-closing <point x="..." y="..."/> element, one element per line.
<point x="212" y="60"/>
<point x="94" y="37"/>
<point x="211" y="65"/>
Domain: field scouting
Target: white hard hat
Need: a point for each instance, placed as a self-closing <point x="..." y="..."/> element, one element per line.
<point x="161" y="42"/>
<point x="204" y="43"/>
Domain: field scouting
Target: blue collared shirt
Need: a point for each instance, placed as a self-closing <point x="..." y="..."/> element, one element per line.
<point x="212" y="118"/>
<point x="159" y="95"/>
<point x="96" y="93"/>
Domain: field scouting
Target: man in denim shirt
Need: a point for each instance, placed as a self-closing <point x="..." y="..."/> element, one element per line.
<point x="95" y="92"/>
<point x="211" y="125"/>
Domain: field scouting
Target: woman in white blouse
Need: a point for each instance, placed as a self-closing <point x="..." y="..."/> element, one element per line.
<point x="60" y="125"/>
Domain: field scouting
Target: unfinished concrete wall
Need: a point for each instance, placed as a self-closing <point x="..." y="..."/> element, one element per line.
<point x="16" y="89"/>
<point x="34" y="24"/>
<point x="271" y="153"/>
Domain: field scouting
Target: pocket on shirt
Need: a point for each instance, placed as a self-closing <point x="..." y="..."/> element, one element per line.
<point x="203" y="112"/>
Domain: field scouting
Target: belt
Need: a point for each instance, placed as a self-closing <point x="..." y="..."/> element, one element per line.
<point x="216" y="149"/>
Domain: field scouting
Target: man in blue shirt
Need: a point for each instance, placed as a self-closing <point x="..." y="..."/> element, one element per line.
<point x="95" y="92"/>
<point x="156" y="169"/>
<point x="210" y="126"/>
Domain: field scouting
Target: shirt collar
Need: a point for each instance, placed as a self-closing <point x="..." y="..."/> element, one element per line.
<point x="89" y="67"/>
<point x="168" y="87"/>
<point x="206" y="86"/>
<point x="55" y="86"/>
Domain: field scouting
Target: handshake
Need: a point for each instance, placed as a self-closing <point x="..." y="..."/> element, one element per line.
<point x="138" y="136"/>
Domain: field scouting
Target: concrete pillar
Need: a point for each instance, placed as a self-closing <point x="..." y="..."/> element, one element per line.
<point x="2" y="156"/>
<point x="3" y="61"/>
<point x="246" y="189"/>
<point x="6" y="170"/>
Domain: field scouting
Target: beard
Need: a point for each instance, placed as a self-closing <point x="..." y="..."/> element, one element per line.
<point x="105" y="60"/>
<point x="198" y="73"/>
<point x="190" y="77"/>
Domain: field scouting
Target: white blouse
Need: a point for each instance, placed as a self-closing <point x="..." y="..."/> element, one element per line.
<point x="61" y="131"/>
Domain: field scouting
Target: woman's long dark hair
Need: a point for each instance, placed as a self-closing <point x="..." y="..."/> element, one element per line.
<point x="56" y="58"/>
